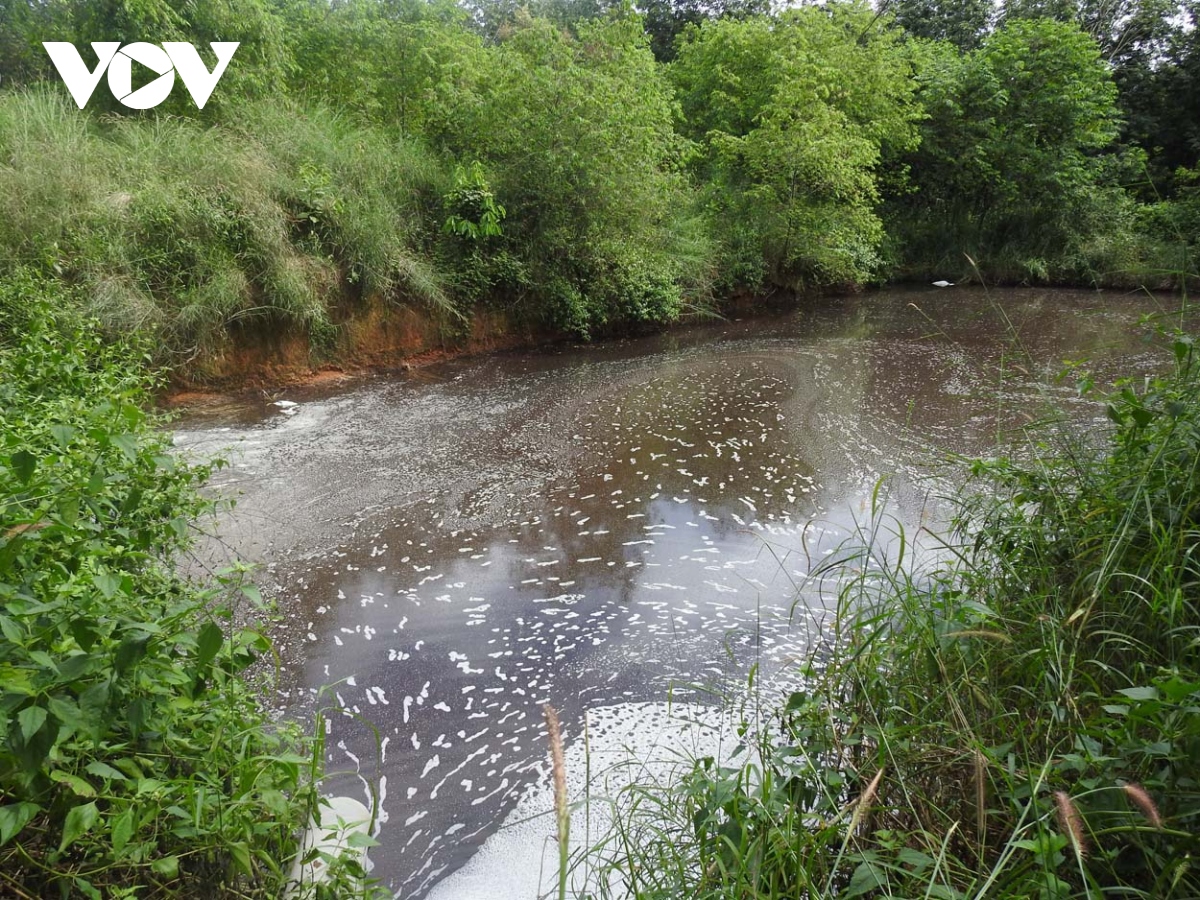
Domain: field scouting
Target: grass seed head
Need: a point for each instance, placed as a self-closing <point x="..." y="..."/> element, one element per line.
<point x="1071" y="822"/>
<point x="1138" y="797"/>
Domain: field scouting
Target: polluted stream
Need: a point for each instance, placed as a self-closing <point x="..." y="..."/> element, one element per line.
<point x="621" y="530"/>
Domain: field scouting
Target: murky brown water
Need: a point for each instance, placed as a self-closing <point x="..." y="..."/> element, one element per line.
<point x="607" y="525"/>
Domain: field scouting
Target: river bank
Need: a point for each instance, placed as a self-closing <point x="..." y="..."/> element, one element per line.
<point x="383" y="340"/>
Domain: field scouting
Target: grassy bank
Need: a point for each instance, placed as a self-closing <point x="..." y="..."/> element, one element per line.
<point x="190" y="235"/>
<point x="135" y="759"/>
<point x="1018" y="718"/>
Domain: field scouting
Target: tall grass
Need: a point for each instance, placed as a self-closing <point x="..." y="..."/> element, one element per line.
<point x="1016" y="716"/>
<point x="184" y="230"/>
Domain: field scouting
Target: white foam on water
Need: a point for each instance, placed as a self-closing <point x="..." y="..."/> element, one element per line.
<point x="625" y="743"/>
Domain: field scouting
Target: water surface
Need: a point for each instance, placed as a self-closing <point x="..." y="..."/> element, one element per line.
<point x="604" y="527"/>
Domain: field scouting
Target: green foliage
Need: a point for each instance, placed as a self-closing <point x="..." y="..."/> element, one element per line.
<point x="820" y="147"/>
<point x="132" y="750"/>
<point x="182" y="231"/>
<point x="666" y="20"/>
<point x="576" y="135"/>
<point x="794" y="117"/>
<point x="367" y="201"/>
<point x="1008" y="161"/>
<point x="963" y="24"/>
<point x="472" y="207"/>
<point x="261" y="63"/>
<point x="388" y="62"/>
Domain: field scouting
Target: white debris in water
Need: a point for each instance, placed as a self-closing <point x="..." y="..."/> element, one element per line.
<point x="626" y="742"/>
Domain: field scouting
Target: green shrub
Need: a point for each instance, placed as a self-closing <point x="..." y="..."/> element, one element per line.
<point x="134" y="758"/>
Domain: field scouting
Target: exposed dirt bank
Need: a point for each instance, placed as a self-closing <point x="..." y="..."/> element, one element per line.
<point x="381" y="339"/>
<point x="375" y="339"/>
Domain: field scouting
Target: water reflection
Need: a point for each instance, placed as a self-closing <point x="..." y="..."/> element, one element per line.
<point x="644" y="573"/>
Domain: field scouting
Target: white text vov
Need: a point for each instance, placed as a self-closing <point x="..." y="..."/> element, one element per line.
<point x="166" y="60"/>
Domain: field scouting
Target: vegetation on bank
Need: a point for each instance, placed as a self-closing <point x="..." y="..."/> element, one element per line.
<point x="1016" y="715"/>
<point x="135" y="758"/>
<point x="585" y="166"/>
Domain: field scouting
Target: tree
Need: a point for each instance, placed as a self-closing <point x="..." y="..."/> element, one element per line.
<point x="1008" y="163"/>
<point x="963" y="23"/>
<point x="666" y="20"/>
<point x="575" y="135"/>
<point x="262" y="62"/>
<point x="794" y="117"/>
<point x="1160" y="95"/>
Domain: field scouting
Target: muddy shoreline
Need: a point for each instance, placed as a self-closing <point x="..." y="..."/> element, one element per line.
<point x="389" y="341"/>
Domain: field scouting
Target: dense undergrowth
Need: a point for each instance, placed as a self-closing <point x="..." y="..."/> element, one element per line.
<point x="1018" y="716"/>
<point x="135" y="759"/>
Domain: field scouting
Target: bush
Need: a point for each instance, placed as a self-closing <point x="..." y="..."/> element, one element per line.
<point x="134" y="758"/>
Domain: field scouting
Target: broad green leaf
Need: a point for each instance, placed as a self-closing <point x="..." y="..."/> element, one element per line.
<point x="78" y="823"/>
<point x="1140" y="693"/>
<point x="34" y="750"/>
<point x="915" y="858"/>
<point x="11" y="630"/>
<point x="68" y="510"/>
<point x="84" y="633"/>
<point x="31" y="719"/>
<point x="23" y="464"/>
<point x="107" y="583"/>
<point x="16" y="683"/>
<point x="241" y="858"/>
<point x="137" y="716"/>
<point x="76" y="665"/>
<point x="122" y="830"/>
<point x="130" y="767"/>
<point x="74" y="782"/>
<point x="104" y="770"/>
<point x="361" y="840"/>
<point x="1176" y="689"/>
<point x="93" y="705"/>
<point x="275" y="801"/>
<point x="128" y="445"/>
<point x="208" y="642"/>
<point x="15" y="817"/>
<point x="866" y="878"/>
<point x="44" y="659"/>
<point x="63" y="434"/>
<point x="166" y="866"/>
<point x="66" y="711"/>
<point x="131" y="650"/>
